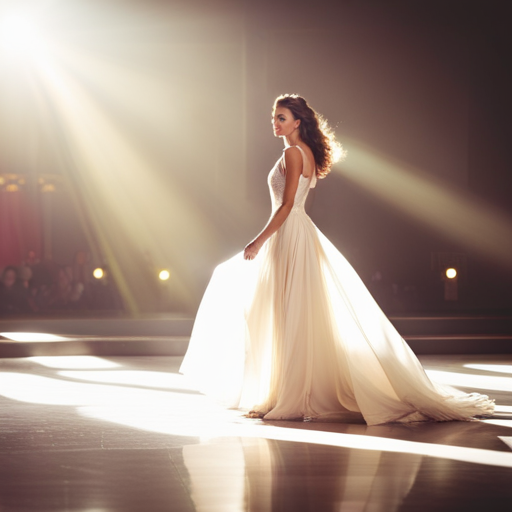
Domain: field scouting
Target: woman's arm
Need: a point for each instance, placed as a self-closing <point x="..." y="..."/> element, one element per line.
<point x="293" y="168"/>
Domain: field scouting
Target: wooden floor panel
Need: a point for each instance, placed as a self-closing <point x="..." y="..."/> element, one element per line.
<point x="102" y="434"/>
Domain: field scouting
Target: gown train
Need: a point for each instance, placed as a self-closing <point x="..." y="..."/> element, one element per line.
<point x="295" y="334"/>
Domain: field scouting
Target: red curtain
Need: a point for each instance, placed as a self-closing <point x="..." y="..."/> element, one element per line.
<point x="20" y="227"/>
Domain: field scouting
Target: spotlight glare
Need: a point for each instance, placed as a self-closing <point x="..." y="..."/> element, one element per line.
<point x="451" y="273"/>
<point x="164" y="275"/>
<point x="98" y="273"/>
<point x="18" y="35"/>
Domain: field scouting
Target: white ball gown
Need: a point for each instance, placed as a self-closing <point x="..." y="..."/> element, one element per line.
<point x="295" y="334"/>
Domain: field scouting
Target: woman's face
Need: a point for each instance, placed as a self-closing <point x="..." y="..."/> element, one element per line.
<point x="283" y="122"/>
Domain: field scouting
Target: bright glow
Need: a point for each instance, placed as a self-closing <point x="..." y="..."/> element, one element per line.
<point x="115" y="122"/>
<point x="106" y="156"/>
<point x="191" y="422"/>
<point x="57" y="391"/>
<point x="190" y="414"/>
<point x="32" y="336"/>
<point x="467" y="380"/>
<point x="16" y="30"/>
<point x="74" y="362"/>
<point x="500" y="423"/>
<point x="164" y="275"/>
<point x="503" y="408"/>
<point x="98" y="273"/>
<point x="462" y="217"/>
<point x="19" y="35"/>
<point x="499" y="368"/>
<point x="451" y="273"/>
<point x="507" y="440"/>
<point x="132" y="377"/>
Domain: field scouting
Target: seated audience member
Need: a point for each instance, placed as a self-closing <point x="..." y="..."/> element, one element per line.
<point x="64" y="293"/>
<point x="14" y="297"/>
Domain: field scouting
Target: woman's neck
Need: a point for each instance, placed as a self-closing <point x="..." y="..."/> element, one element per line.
<point x="292" y="140"/>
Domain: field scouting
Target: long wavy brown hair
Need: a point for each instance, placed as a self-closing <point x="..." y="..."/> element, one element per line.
<point x="314" y="131"/>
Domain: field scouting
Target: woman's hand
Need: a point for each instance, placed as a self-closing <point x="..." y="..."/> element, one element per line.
<point x="293" y="164"/>
<point x="251" y="250"/>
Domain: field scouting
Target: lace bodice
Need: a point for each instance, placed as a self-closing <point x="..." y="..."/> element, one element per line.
<point x="277" y="181"/>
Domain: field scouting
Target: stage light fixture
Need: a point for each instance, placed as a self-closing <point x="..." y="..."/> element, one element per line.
<point x="164" y="275"/>
<point x="451" y="273"/>
<point x="98" y="273"/>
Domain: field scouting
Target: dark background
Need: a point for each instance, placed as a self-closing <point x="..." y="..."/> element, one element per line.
<point x="425" y="83"/>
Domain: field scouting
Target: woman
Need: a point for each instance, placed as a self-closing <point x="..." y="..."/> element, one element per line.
<point x="295" y="334"/>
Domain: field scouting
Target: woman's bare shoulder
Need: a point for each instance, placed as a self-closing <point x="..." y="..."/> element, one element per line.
<point x="309" y="158"/>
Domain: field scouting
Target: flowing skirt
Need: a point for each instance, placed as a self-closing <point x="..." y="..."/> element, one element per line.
<point x="295" y="334"/>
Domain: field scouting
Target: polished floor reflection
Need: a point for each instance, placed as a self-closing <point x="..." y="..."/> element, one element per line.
<point x="127" y="434"/>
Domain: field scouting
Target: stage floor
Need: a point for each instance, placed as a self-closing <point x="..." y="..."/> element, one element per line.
<point x="103" y="434"/>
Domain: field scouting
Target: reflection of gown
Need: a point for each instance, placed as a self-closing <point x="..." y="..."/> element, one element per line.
<point x="296" y="334"/>
<point x="256" y="474"/>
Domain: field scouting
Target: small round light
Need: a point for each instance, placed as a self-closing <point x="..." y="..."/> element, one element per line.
<point x="48" y="187"/>
<point x="451" y="273"/>
<point x="98" y="273"/>
<point x="164" y="275"/>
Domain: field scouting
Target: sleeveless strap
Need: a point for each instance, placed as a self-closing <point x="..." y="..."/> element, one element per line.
<point x="304" y="160"/>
